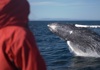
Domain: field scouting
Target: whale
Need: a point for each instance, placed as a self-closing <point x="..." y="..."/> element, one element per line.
<point x="81" y="41"/>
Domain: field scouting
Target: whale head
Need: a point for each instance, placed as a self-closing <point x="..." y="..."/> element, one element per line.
<point x="63" y="30"/>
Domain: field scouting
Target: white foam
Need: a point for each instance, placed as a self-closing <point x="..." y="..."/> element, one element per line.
<point x="87" y="26"/>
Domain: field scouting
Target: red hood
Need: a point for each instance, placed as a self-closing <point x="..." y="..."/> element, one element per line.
<point x="14" y="12"/>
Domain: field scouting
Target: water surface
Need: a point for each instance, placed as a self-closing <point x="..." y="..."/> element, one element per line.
<point x="55" y="50"/>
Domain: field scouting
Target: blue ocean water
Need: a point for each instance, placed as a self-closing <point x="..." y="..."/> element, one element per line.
<point x="55" y="50"/>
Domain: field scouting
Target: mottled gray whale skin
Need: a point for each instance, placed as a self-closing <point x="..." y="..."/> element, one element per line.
<point x="81" y="41"/>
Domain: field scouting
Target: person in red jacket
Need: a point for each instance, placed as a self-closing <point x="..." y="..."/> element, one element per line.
<point x="18" y="49"/>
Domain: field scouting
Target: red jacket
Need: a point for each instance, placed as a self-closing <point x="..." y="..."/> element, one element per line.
<point x="18" y="50"/>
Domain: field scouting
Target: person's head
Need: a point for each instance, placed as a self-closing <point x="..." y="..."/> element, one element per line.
<point x="14" y="12"/>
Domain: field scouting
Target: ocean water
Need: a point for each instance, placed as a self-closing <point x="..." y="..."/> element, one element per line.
<point x="55" y="50"/>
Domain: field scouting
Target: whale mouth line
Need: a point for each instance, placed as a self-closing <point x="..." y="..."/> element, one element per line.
<point x="52" y="27"/>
